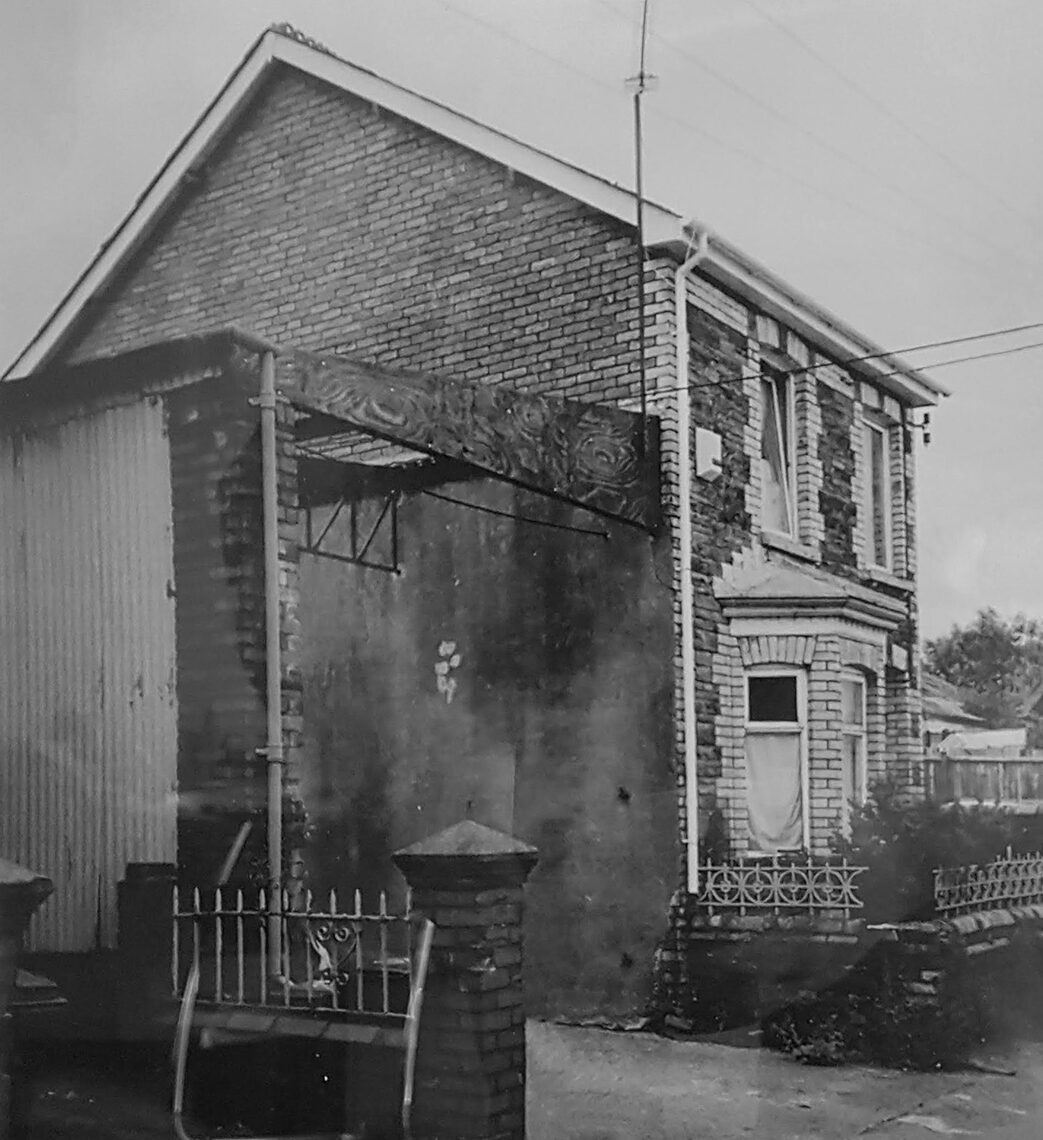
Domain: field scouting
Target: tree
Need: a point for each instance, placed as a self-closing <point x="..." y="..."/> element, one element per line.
<point x="995" y="664"/>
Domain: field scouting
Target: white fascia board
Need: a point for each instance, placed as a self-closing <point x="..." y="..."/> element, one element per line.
<point x="740" y="275"/>
<point x="274" y="47"/>
<point x="607" y="197"/>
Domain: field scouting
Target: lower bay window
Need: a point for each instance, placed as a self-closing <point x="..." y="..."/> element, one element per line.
<point x="776" y="760"/>
<point x="853" y="741"/>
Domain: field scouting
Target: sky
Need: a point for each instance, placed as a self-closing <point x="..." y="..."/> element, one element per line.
<point x="884" y="157"/>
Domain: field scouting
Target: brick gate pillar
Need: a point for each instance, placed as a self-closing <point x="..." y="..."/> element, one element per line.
<point x="470" y="1076"/>
<point x="145" y="926"/>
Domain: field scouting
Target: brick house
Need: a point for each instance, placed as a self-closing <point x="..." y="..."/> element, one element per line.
<point x="629" y="688"/>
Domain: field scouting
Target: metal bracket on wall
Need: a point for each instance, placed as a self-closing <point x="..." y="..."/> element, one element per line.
<point x="386" y="522"/>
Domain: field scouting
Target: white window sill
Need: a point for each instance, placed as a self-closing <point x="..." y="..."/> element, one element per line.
<point x="789" y="545"/>
<point x="881" y="577"/>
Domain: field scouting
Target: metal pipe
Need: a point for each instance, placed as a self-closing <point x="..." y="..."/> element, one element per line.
<point x="684" y="566"/>
<point x="273" y="652"/>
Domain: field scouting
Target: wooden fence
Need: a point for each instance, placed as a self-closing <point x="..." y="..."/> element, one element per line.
<point x="1012" y="781"/>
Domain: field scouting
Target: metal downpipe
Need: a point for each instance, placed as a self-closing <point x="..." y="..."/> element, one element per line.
<point x="273" y="653"/>
<point x="684" y="569"/>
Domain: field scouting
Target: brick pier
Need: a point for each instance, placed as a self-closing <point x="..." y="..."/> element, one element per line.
<point x="470" y="1079"/>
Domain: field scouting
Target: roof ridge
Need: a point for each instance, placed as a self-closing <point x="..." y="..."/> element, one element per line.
<point x="286" y="29"/>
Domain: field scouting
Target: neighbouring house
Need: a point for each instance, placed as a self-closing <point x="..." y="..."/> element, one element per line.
<point x="984" y="744"/>
<point x="636" y="642"/>
<point x="1031" y="715"/>
<point x="943" y="711"/>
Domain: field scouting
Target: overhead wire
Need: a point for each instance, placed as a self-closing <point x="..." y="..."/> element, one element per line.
<point x="933" y="367"/>
<point x="923" y="139"/>
<point x="516" y="518"/>
<point x="955" y="252"/>
<point x="693" y="128"/>
<point x="901" y="190"/>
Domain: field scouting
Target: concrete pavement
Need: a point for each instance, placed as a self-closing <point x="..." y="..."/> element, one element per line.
<point x="587" y="1084"/>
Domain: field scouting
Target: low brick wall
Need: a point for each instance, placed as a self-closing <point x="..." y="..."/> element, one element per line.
<point x="726" y="968"/>
<point x="936" y="964"/>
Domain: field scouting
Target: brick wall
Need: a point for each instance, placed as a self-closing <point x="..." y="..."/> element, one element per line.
<point x="220" y="615"/>
<point x="829" y="536"/>
<point x="323" y="224"/>
<point x="721" y="524"/>
<point x="836" y="498"/>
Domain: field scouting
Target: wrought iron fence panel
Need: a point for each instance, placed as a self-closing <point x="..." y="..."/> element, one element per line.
<point x="329" y="956"/>
<point x="781" y="885"/>
<point x="990" y="886"/>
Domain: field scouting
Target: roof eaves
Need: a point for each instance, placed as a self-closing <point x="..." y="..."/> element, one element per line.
<point x="663" y="227"/>
<point x="741" y="274"/>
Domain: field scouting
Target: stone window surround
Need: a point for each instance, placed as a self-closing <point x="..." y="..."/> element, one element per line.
<point x="771" y="344"/>
<point x="775" y="347"/>
<point x="883" y="413"/>
<point x="801" y="675"/>
<point x="859" y="731"/>
<point x="823" y="650"/>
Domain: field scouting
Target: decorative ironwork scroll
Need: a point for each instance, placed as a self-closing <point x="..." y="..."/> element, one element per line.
<point x="780" y="884"/>
<point x="991" y="886"/>
<point x="585" y="453"/>
<point x="331" y="957"/>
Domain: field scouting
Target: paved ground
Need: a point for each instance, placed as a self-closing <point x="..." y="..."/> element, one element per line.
<point x="587" y="1084"/>
<point x="592" y="1085"/>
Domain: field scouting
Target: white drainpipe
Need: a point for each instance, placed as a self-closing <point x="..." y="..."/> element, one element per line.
<point x="684" y="568"/>
<point x="273" y="652"/>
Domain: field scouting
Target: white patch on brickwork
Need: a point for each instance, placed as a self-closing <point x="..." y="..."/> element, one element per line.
<point x="707" y="298"/>
<point x="448" y="660"/>
<point x="729" y="729"/>
<point x="810" y="524"/>
<point x="835" y="378"/>
<point x="752" y="434"/>
<point x="858" y="485"/>
<point x="899" y="538"/>
<point x="863" y="655"/>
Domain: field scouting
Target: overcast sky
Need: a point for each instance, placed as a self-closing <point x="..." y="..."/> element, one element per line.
<point x="884" y="156"/>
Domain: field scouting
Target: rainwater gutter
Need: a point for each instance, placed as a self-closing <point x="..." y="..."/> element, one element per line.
<point x="684" y="565"/>
<point x="273" y="651"/>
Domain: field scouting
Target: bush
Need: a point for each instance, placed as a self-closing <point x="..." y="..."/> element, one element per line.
<point x="902" y="842"/>
<point x="869" y="1017"/>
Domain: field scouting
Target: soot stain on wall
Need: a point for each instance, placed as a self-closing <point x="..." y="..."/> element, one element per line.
<point x="563" y="695"/>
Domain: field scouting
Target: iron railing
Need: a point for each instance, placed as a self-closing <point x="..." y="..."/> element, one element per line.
<point x="329" y="957"/>
<point x="782" y="885"/>
<point x="991" y="886"/>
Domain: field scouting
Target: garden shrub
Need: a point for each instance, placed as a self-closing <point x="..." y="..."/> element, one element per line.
<point x="869" y="1017"/>
<point x="902" y="842"/>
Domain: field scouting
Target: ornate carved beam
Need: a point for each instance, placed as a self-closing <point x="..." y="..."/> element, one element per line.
<point x="587" y="454"/>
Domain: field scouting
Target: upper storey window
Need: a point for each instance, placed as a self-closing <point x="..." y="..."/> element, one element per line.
<point x="778" y="467"/>
<point x="878" y="494"/>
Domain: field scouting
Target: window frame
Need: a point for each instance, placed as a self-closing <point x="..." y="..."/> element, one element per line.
<point x="773" y="376"/>
<point x="860" y="732"/>
<point x="798" y="727"/>
<point x="873" y="427"/>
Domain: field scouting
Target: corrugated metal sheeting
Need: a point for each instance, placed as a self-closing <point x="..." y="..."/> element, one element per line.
<point x="88" y="728"/>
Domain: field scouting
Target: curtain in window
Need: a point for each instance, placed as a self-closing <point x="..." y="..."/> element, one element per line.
<point x="777" y="512"/>
<point x="773" y="789"/>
